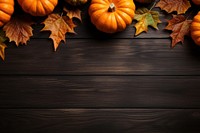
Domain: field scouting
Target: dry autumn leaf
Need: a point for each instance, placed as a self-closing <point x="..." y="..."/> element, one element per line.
<point x="75" y="13"/>
<point x="181" y="6"/>
<point x="146" y="18"/>
<point x="180" y="27"/>
<point x="2" y="45"/>
<point x="59" y="26"/>
<point x="19" y="29"/>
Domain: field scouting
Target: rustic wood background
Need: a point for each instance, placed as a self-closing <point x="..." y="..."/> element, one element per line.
<point x="99" y="83"/>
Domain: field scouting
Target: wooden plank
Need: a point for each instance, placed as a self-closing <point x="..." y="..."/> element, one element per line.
<point x="98" y="121"/>
<point x="99" y="91"/>
<point x="103" y="57"/>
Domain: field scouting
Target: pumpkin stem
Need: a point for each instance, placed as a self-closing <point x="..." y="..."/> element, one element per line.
<point x="111" y="7"/>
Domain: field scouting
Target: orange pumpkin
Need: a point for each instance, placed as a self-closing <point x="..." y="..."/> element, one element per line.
<point x="111" y="16"/>
<point x="76" y="2"/>
<point x="195" y="29"/>
<point x="145" y="1"/>
<point x="6" y="10"/>
<point x="196" y="2"/>
<point x="38" y="7"/>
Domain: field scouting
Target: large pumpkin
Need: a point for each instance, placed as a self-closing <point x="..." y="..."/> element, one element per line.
<point x="38" y="7"/>
<point x="195" y="29"/>
<point x="196" y="2"/>
<point x="6" y="10"/>
<point x="76" y="2"/>
<point x="111" y="16"/>
<point x="145" y="1"/>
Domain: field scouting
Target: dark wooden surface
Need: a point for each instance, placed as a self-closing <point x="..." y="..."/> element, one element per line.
<point x="99" y="83"/>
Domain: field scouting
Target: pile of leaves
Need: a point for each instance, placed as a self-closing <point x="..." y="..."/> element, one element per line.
<point x="178" y="24"/>
<point x="59" y="24"/>
<point x="19" y="28"/>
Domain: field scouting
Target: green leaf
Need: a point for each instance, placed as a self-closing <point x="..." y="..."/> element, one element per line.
<point x="146" y="18"/>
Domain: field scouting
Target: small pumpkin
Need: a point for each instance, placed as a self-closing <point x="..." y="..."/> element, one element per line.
<point x="76" y="2"/>
<point x="38" y="7"/>
<point x="196" y="2"/>
<point x="195" y="29"/>
<point x="6" y="10"/>
<point x="111" y="16"/>
<point x="145" y="1"/>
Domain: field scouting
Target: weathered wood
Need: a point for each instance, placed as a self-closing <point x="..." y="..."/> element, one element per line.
<point x="100" y="121"/>
<point x="104" y="57"/>
<point x="99" y="91"/>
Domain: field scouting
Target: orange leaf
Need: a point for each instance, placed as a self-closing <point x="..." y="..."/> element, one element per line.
<point x="58" y="27"/>
<point x="2" y="50"/>
<point x="19" y="29"/>
<point x="181" y="6"/>
<point x="75" y="13"/>
<point x="180" y="27"/>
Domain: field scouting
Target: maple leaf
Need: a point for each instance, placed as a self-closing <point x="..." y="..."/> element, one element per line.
<point x="19" y="29"/>
<point x="180" y="6"/>
<point x="59" y="26"/>
<point x="2" y="45"/>
<point x="180" y="27"/>
<point x="75" y="13"/>
<point x="146" y="18"/>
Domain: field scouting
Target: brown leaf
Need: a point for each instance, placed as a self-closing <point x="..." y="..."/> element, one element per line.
<point x="75" y="13"/>
<point x="180" y="27"/>
<point x="70" y="24"/>
<point x="59" y="26"/>
<point x="181" y="6"/>
<point x="19" y="29"/>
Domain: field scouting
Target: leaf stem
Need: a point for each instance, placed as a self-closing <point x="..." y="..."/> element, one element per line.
<point x="153" y="5"/>
<point x="61" y="14"/>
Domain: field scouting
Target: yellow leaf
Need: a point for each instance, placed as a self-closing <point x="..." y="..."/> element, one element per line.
<point x="146" y="18"/>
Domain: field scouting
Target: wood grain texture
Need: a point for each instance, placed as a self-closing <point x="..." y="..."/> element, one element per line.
<point x="103" y="57"/>
<point x="99" y="92"/>
<point x="101" y="83"/>
<point x="100" y="121"/>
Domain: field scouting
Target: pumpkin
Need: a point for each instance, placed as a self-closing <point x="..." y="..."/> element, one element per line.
<point x="76" y="2"/>
<point x="111" y="16"/>
<point x="195" y="29"/>
<point x="145" y="1"/>
<point x="38" y="7"/>
<point x="6" y="10"/>
<point x="196" y="2"/>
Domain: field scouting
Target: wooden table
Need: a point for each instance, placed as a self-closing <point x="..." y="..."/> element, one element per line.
<point x="100" y="83"/>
